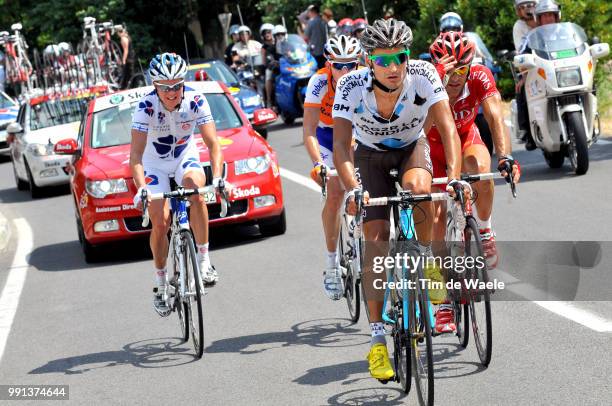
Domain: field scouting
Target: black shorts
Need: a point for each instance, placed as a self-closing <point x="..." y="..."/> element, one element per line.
<point x="372" y="170"/>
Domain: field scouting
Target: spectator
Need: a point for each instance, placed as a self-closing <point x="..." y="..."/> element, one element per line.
<point x="316" y="34"/>
<point x="129" y="57"/>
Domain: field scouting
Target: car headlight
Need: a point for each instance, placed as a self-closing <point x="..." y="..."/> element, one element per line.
<point x="567" y="77"/>
<point x="40" y="149"/>
<point x="101" y="188"/>
<point x="258" y="165"/>
<point x="251" y="101"/>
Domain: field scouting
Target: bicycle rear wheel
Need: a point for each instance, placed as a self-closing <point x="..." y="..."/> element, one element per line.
<point x="194" y="295"/>
<point x="350" y="278"/>
<point x="421" y="342"/>
<point x="480" y="305"/>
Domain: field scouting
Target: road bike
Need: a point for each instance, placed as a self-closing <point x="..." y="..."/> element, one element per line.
<point x="471" y="302"/>
<point x="186" y="285"/>
<point x="102" y="55"/>
<point x="18" y="67"/>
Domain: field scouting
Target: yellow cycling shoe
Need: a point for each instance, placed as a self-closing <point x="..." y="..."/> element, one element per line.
<point x="380" y="366"/>
<point x="437" y="288"/>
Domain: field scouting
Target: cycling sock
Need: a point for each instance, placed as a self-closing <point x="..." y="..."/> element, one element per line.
<point x="161" y="277"/>
<point x="332" y="259"/>
<point x="203" y="252"/>
<point x="378" y="333"/>
<point x="482" y="224"/>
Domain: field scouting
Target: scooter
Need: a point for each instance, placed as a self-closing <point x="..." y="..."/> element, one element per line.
<point x="296" y="68"/>
<point x="562" y="105"/>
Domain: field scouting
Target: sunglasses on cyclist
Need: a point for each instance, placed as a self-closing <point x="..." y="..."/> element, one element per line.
<point x="344" y="65"/>
<point x="385" y="60"/>
<point x="462" y="70"/>
<point x="170" y="88"/>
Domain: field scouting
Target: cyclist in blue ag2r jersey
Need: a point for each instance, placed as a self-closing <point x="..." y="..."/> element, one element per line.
<point x="388" y="103"/>
<point x="163" y="145"/>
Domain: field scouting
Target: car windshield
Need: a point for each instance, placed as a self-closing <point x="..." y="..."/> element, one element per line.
<point x="113" y="126"/>
<point x="215" y="70"/>
<point x="56" y="112"/>
<point x="294" y="49"/>
<point x="561" y="40"/>
<point x="6" y="102"/>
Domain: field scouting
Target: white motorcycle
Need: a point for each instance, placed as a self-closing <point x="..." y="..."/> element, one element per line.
<point x="562" y="104"/>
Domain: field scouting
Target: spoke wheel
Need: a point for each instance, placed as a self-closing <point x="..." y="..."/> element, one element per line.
<point x="194" y="293"/>
<point x="421" y="343"/>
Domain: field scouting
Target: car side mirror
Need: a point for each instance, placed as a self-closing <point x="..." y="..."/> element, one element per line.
<point x="524" y="61"/>
<point x="66" y="146"/>
<point x="14" y="128"/>
<point x="263" y="117"/>
<point x="600" y="50"/>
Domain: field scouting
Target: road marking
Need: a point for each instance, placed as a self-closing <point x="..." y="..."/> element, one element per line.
<point x="563" y="309"/>
<point x="299" y="179"/>
<point x="9" y="300"/>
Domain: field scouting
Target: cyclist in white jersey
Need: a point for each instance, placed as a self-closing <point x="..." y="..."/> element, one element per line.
<point x="163" y="146"/>
<point x="385" y="107"/>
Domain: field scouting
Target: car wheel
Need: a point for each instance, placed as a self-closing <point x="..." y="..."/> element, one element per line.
<point x="273" y="226"/>
<point x="21" y="184"/>
<point x="35" y="191"/>
<point x="89" y="251"/>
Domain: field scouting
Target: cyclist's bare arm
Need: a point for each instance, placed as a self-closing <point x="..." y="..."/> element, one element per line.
<point x="311" y="119"/>
<point x="492" y="109"/>
<point x="139" y="141"/>
<point x="343" y="133"/>
<point x="209" y="136"/>
<point x="442" y="117"/>
<point x="125" y="44"/>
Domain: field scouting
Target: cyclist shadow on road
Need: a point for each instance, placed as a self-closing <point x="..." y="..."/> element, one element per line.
<point x="153" y="353"/>
<point x="316" y="333"/>
<point x="449" y="361"/>
<point x="369" y="396"/>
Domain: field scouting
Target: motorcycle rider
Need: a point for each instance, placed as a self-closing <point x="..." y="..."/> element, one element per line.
<point x="342" y="55"/>
<point x="268" y="49"/>
<point x="451" y="22"/>
<point x="233" y="32"/>
<point x="246" y="47"/>
<point x="525" y="10"/>
<point x="468" y="85"/>
<point x="272" y="62"/>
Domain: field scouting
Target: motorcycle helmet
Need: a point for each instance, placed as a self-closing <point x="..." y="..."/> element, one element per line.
<point x="451" y="22"/>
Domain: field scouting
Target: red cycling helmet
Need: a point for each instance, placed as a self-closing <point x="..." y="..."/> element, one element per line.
<point x="201" y="75"/>
<point x="359" y="24"/>
<point x="454" y="44"/>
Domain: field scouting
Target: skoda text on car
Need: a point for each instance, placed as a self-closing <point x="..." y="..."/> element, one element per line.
<point x="248" y="99"/>
<point x="8" y="114"/>
<point x="41" y="122"/>
<point x="102" y="185"/>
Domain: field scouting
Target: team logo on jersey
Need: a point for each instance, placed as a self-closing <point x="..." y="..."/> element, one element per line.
<point x="191" y="163"/>
<point x="161" y="117"/>
<point x="418" y="100"/>
<point x="151" y="179"/>
<point x="196" y="103"/>
<point x="170" y="145"/>
<point x="147" y="107"/>
<point x="185" y="126"/>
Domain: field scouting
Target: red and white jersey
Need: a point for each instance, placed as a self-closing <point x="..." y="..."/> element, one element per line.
<point x="479" y="85"/>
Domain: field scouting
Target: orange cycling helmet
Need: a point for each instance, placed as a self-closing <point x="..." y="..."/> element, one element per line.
<point x="454" y="44"/>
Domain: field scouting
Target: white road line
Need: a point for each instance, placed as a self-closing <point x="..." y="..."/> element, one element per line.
<point x="563" y="309"/>
<point x="9" y="300"/>
<point x="299" y="179"/>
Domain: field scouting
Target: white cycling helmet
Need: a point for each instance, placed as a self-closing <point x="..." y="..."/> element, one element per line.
<point x="244" y="28"/>
<point x="279" y="29"/>
<point x="51" y="50"/>
<point x="266" y="27"/>
<point x="64" y="47"/>
<point x="342" y="47"/>
<point x="451" y="22"/>
<point x="167" y="66"/>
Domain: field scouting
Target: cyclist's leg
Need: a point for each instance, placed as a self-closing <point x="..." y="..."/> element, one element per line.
<point x="477" y="160"/>
<point x="159" y="213"/>
<point x="438" y="161"/>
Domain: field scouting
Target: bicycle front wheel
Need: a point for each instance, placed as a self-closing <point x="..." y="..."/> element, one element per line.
<point x="350" y="277"/>
<point x="421" y="342"/>
<point x="194" y="294"/>
<point x="480" y="305"/>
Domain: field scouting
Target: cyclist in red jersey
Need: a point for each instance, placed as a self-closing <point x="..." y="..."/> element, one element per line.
<point x="469" y="86"/>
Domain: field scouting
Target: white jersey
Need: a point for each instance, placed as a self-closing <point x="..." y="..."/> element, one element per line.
<point x="355" y="101"/>
<point x="170" y="134"/>
<point x="519" y="33"/>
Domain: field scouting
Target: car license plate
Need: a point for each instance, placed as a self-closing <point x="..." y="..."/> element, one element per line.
<point x="210" y="197"/>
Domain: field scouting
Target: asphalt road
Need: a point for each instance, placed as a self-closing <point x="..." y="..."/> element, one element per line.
<point x="272" y="337"/>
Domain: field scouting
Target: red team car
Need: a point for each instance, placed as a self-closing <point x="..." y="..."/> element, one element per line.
<point x="102" y="185"/>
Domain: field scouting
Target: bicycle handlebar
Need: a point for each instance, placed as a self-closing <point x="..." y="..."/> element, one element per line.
<point x="483" y="176"/>
<point x="405" y="197"/>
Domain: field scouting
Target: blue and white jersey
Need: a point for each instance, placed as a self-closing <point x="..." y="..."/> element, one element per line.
<point x="355" y="101"/>
<point x="170" y="133"/>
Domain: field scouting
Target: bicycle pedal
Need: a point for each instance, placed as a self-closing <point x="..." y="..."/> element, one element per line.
<point x="384" y="381"/>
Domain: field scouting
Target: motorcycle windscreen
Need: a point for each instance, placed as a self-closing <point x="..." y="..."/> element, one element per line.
<point x="557" y="41"/>
<point x="294" y="48"/>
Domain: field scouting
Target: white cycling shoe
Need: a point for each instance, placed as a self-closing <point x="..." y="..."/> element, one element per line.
<point x="209" y="273"/>
<point x="160" y="301"/>
<point x="332" y="282"/>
